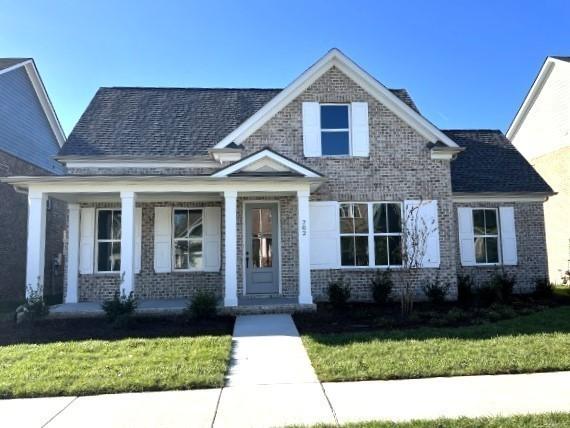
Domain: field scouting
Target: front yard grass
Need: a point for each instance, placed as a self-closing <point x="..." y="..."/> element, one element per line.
<point x="82" y="357"/>
<point x="548" y="420"/>
<point x="525" y="344"/>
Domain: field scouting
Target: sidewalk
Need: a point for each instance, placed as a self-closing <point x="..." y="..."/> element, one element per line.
<point x="271" y="383"/>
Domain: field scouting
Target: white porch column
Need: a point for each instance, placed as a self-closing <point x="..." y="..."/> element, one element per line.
<point x="36" y="241"/>
<point x="128" y="242"/>
<point x="305" y="296"/>
<point x="72" y="253"/>
<point x="230" y="247"/>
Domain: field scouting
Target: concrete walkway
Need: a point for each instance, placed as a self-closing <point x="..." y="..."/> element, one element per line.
<point x="308" y="403"/>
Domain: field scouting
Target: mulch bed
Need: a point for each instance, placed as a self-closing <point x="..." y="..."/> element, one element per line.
<point x="359" y="316"/>
<point x="54" y="330"/>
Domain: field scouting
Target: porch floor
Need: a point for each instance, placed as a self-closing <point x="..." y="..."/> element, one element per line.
<point x="157" y="307"/>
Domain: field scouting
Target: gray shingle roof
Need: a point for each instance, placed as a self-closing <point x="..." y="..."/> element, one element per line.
<point x="9" y="62"/>
<point x="165" y="121"/>
<point x="490" y="163"/>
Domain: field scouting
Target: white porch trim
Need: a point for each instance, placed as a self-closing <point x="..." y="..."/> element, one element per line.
<point x="36" y="242"/>
<point x="71" y="295"/>
<point x="230" y="248"/>
<point x="128" y="203"/>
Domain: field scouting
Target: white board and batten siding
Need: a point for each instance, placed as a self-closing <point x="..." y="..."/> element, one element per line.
<point x="87" y="239"/>
<point x="507" y="234"/>
<point x="325" y="234"/>
<point x="359" y="132"/>
<point x="211" y="239"/>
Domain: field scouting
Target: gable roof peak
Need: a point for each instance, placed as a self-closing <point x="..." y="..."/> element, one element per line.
<point x="335" y="58"/>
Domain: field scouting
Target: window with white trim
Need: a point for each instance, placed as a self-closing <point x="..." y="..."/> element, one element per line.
<point x="188" y="239"/>
<point x="486" y="235"/>
<point x="354" y="234"/>
<point x="371" y="234"/>
<point x="335" y="129"/>
<point x="387" y="234"/>
<point x="108" y="245"/>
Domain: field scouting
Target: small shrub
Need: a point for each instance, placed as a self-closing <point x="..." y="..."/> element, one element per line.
<point x="456" y="315"/>
<point x="465" y="287"/>
<point x="382" y="287"/>
<point x="543" y="288"/>
<point x="34" y="308"/>
<point x="505" y="283"/>
<point x="488" y="293"/>
<point x="435" y="291"/>
<point x="339" y="293"/>
<point x="120" y="308"/>
<point x="203" y="305"/>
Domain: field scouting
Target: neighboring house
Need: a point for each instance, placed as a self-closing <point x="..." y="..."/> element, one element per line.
<point x="541" y="132"/>
<point x="278" y="192"/>
<point x="30" y="136"/>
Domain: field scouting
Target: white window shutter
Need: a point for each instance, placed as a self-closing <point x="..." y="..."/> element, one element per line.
<point x="360" y="132"/>
<point x="324" y="235"/>
<point x="138" y="239"/>
<point x="87" y="241"/>
<point x="311" y="129"/>
<point x="162" y="239"/>
<point x="424" y="218"/>
<point x="466" y="236"/>
<point x="212" y="238"/>
<point x="508" y="235"/>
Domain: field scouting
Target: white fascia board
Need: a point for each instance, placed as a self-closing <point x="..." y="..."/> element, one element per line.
<point x="45" y="102"/>
<point x="500" y="197"/>
<point x="15" y="66"/>
<point x="336" y="58"/>
<point x="154" y="184"/>
<point x="261" y="155"/>
<point x="532" y="95"/>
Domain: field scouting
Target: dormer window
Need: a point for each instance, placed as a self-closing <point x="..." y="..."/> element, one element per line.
<point x="335" y="129"/>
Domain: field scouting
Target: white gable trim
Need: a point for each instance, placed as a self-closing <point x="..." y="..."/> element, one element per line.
<point x="265" y="154"/>
<point x="43" y="97"/>
<point x="533" y="93"/>
<point x="335" y="58"/>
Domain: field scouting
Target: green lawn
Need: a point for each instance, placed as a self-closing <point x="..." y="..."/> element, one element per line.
<point x="533" y="343"/>
<point x="551" y="420"/>
<point x="85" y="367"/>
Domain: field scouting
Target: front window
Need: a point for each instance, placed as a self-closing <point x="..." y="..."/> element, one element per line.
<point x="187" y="239"/>
<point x="108" y="240"/>
<point x="486" y="236"/>
<point x="387" y="234"/>
<point x="354" y="234"/>
<point x="335" y="129"/>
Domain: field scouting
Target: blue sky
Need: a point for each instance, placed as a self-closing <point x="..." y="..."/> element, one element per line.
<point x="467" y="64"/>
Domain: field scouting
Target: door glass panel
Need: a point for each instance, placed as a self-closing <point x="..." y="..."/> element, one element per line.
<point x="261" y="237"/>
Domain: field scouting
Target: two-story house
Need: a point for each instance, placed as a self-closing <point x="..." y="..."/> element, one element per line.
<point x="30" y="137"/>
<point x="278" y="192"/>
<point x="541" y="132"/>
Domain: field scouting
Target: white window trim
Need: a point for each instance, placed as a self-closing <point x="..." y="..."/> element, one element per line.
<point x="349" y="129"/>
<point x="497" y="236"/>
<point x="371" y="234"/>
<point x="173" y="240"/>
<point x="97" y="240"/>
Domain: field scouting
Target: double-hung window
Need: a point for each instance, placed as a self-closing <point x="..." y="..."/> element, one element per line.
<point x="335" y="129"/>
<point x="486" y="236"/>
<point x="108" y="240"/>
<point x="188" y="239"/>
<point x="387" y="234"/>
<point x="371" y="234"/>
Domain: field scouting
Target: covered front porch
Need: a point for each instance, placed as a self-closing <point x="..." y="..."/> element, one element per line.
<point x="145" y="257"/>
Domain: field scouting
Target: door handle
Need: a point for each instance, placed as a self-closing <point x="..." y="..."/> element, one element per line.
<point x="247" y="259"/>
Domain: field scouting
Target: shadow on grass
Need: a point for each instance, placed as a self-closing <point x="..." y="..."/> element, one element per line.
<point x="555" y="320"/>
<point x="65" y="330"/>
